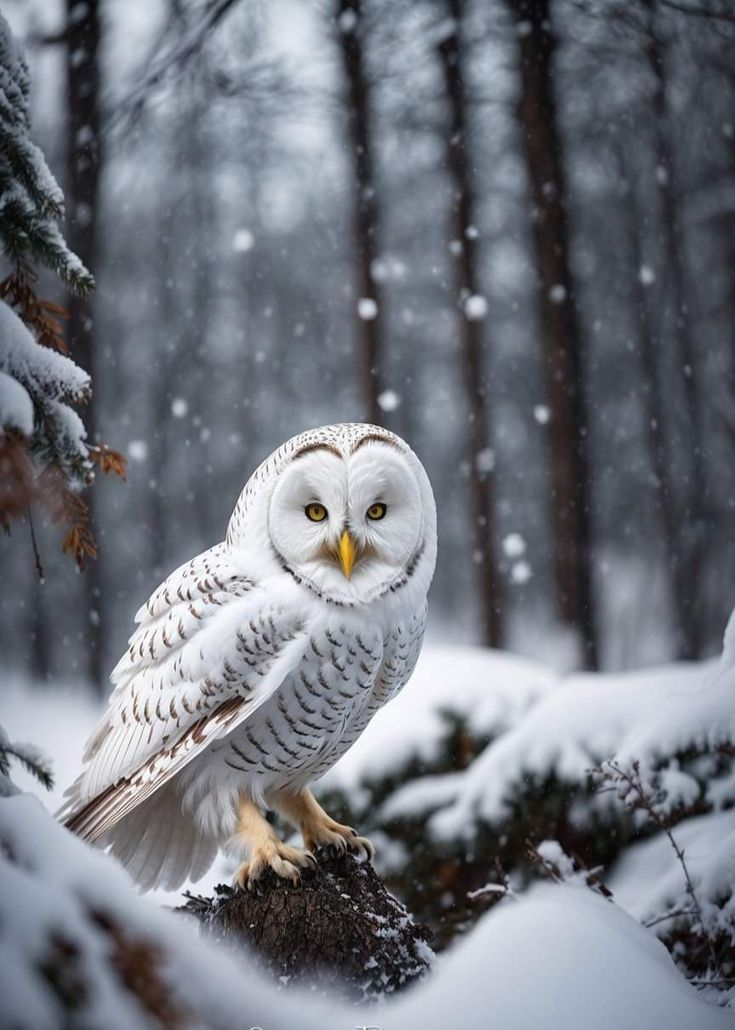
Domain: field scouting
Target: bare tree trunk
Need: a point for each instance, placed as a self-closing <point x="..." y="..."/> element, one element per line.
<point x="82" y="194"/>
<point x="569" y="440"/>
<point x="161" y="383"/>
<point x="691" y="517"/>
<point x="649" y="349"/>
<point x="471" y="312"/>
<point x="368" y="312"/>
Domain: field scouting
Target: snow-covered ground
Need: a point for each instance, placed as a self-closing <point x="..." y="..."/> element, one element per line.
<point x="556" y="956"/>
<point x="560" y="958"/>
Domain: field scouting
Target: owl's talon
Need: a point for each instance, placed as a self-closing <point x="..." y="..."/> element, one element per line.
<point x="337" y="838"/>
<point x="285" y="861"/>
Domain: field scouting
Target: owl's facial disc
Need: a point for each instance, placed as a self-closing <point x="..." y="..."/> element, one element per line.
<point x="347" y="526"/>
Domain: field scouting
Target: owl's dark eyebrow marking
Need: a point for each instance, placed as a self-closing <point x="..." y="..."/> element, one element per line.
<point x="317" y="447"/>
<point x="375" y="438"/>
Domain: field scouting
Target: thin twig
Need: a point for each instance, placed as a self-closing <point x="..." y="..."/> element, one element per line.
<point x="36" y="552"/>
<point x="193" y="39"/>
<point x="673" y="914"/>
<point x="644" y="802"/>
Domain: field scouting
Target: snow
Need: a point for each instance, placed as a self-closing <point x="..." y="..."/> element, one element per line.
<point x="179" y="407"/>
<point x="16" y="407"/>
<point x="37" y="385"/>
<point x="491" y="690"/>
<point x="514" y="545"/>
<point x="646" y="275"/>
<point x="520" y="573"/>
<point x="138" y="450"/>
<point x="558" y="293"/>
<point x="561" y="958"/>
<point x="475" y="307"/>
<point x="40" y="370"/>
<point x="648" y="879"/>
<point x="557" y="956"/>
<point x="243" y="241"/>
<point x="389" y="400"/>
<point x="542" y="414"/>
<point x="569" y="732"/>
<point x="701" y="717"/>
<point x="14" y="105"/>
<point x="485" y="460"/>
<point x="56" y="890"/>
<point x="367" y="309"/>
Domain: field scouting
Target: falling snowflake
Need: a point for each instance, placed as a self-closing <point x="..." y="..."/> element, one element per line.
<point x="514" y="545"/>
<point x="646" y="275"/>
<point x="520" y="572"/>
<point x="475" y="307"/>
<point x="347" y="21"/>
<point x="558" y="293"/>
<point x="485" y="460"/>
<point x="243" y="241"/>
<point x="367" y="309"/>
<point x="137" y="450"/>
<point x="389" y="400"/>
<point x="179" y="407"/>
<point x="542" y="414"/>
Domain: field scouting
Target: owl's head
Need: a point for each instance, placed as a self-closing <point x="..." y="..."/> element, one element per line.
<point x="350" y="514"/>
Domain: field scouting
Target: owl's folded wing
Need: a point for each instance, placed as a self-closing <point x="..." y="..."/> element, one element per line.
<point x="209" y="650"/>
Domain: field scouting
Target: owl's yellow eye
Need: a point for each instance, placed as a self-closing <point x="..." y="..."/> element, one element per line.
<point x="377" y="511"/>
<point x="315" y="512"/>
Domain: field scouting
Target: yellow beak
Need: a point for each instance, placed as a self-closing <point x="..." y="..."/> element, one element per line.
<point x="347" y="553"/>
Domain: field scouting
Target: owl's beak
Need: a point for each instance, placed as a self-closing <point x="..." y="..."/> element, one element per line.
<point x="347" y="553"/>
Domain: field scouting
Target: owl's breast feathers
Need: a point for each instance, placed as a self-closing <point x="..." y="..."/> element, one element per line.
<point x="218" y="658"/>
<point x="343" y="677"/>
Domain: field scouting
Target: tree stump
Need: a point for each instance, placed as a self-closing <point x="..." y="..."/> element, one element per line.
<point x="339" y="929"/>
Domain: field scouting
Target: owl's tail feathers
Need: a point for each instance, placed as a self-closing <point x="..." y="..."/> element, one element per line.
<point x="158" y="843"/>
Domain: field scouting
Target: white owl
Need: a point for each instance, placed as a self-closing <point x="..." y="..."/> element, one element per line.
<point x="257" y="664"/>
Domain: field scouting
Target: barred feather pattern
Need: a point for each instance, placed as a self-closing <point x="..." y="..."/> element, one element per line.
<point x="238" y="682"/>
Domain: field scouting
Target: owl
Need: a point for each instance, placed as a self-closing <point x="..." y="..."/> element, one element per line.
<point x="257" y="664"/>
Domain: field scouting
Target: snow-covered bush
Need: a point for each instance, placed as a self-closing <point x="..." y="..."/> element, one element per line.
<point x="456" y="802"/>
<point x="79" y="949"/>
<point x="44" y="455"/>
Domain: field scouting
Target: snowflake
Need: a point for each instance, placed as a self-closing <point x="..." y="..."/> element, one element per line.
<point x="243" y="241"/>
<point x="389" y="400"/>
<point x="475" y="307"/>
<point x="514" y="545"/>
<point x="367" y="309"/>
<point x="138" y="450"/>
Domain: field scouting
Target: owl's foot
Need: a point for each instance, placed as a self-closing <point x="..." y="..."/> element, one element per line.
<point x="285" y="861"/>
<point x="331" y="834"/>
<point x="318" y="829"/>
<point x="266" y="850"/>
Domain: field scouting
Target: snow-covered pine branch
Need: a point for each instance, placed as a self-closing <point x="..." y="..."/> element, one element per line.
<point x="44" y="454"/>
<point x="31" y="202"/>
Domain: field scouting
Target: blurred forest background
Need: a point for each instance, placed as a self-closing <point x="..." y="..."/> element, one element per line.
<point x="503" y="228"/>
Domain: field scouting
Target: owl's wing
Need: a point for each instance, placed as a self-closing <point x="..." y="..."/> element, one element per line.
<point x="210" y="648"/>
